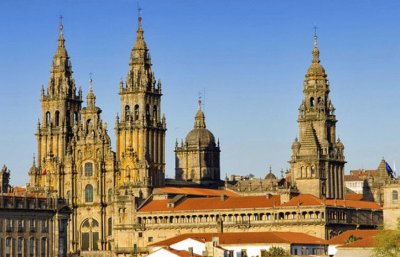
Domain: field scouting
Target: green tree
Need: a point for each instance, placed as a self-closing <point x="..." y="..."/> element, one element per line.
<point x="352" y="238"/>
<point x="276" y="252"/>
<point x="388" y="243"/>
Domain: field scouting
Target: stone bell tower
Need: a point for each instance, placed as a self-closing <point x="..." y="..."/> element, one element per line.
<point x="60" y="109"/>
<point x="140" y="131"/>
<point x="317" y="163"/>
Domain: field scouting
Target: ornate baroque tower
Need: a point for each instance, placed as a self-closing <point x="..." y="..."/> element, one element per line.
<point x="60" y="109"/>
<point x="317" y="163"/>
<point x="140" y="131"/>
<point x="197" y="159"/>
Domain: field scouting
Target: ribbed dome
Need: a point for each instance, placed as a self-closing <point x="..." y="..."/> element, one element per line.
<point x="270" y="176"/>
<point x="202" y="135"/>
<point x="199" y="134"/>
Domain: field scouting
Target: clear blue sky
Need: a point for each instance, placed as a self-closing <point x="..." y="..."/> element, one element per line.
<point x="249" y="56"/>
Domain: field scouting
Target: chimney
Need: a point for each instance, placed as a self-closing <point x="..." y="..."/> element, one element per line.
<point x="223" y="197"/>
<point x="190" y="250"/>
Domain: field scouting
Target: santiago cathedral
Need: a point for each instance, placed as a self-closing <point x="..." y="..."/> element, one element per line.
<point x="121" y="202"/>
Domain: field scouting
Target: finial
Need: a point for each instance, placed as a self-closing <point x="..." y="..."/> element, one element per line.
<point x="139" y="9"/>
<point x="315" y="35"/>
<point x="315" y="51"/>
<point x="270" y="169"/>
<point x="61" y="24"/>
<point x="90" y="81"/>
<point x="199" y="101"/>
<point x="34" y="160"/>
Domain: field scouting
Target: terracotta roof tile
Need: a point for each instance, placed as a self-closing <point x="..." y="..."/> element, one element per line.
<point x="353" y="196"/>
<point x="248" y="238"/>
<point x="212" y="203"/>
<point x="343" y="237"/>
<point x="362" y="243"/>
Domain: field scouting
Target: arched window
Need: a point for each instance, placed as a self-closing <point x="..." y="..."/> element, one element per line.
<point x="89" y="193"/>
<point x="127" y="112"/>
<point x="308" y="172"/>
<point x="136" y="112"/>
<point x="155" y="112"/>
<point x="76" y="117"/>
<point x="395" y="195"/>
<point x="90" y="235"/>
<point x="68" y="118"/>
<point x="147" y="111"/>
<point x="313" y="171"/>
<point x="109" y="226"/>
<point x="20" y="246"/>
<point x="48" y="118"/>
<point x="43" y="247"/>
<point x="31" y="247"/>
<point x="88" y="169"/>
<point x="312" y="101"/>
<point x="68" y="197"/>
<point x="57" y="118"/>
<point x="8" y="247"/>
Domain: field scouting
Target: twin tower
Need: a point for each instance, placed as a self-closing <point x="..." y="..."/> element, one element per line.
<point x="74" y="148"/>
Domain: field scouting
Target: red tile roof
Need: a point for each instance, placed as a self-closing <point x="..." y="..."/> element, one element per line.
<point x="248" y="238"/>
<point x="193" y="191"/>
<point x="215" y="203"/>
<point x="343" y="237"/>
<point x="368" y="242"/>
<point x="251" y="202"/>
<point x="353" y="196"/>
<point x="310" y="200"/>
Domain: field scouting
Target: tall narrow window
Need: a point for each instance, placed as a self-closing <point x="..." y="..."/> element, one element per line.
<point x="20" y="246"/>
<point x="155" y="111"/>
<point x="136" y="112"/>
<point x="48" y="118"/>
<point x="109" y="226"/>
<point x="147" y="111"/>
<point x="395" y="195"/>
<point x="110" y="195"/>
<point x="57" y="118"/>
<point x="68" y="118"/>
<point x="89" y="193"/>
<point x="88" y="169"/>
<point x="8" y="247"/>
<point x="31" y="247"/>
<point x="43" y="247"/>
<point x="312" y="101"/>
<point x="127" y="112"/>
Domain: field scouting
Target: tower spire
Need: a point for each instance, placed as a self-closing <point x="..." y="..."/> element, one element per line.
<point x="200" y="118"/>
<point x="315" y="51"/>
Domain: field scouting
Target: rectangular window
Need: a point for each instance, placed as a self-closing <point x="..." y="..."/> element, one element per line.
<point x="20" y="246"/>
<point x="88" y="169"/>
<point x="8" y="247"/>
<point x="9" y="225"/>
<point x="150" y="239"/>
<point x="20" y="226"/>
<point x="85" y="241"/>
<point x="95" y="241"/>
<point x="31" y="247"/>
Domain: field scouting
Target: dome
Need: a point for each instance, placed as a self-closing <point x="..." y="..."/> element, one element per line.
<point x="270" y="176"/>
<point x="296" y="144"/>
<point x="315" y="71"/>
<point x="202" y="135"/>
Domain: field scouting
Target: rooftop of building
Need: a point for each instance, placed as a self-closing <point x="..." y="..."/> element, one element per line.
<point x="368" y="242"/>
<point x="361" y="234"/>
<point x="247" y="238"/>
<point x="251" y="202"/>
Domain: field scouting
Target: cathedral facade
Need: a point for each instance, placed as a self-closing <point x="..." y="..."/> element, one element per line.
<point x="75" y="160"/>
<point x="119" y="200"/>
